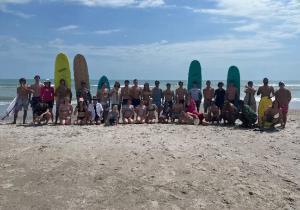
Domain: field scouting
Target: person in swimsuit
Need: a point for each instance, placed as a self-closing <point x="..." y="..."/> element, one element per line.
<point x="165" y="114"/>
<point x="177" y="110"/>
<point x="23" y="95"/>
<point x="84" y="92"/>
<point x="36" y="95"/>
<point x="115" y="95"/>
<point x="81" y="111"/>
<point x="284" y="97"/>
<point x="47" y="96"/>
<point x="220" y="95"/>
<point x="273" y="116"/>
<point x="232" y="94"/>
<point x="113" y="116"/>
<point x="192" y="109"/>
<point x="128" y="113"/>
<point x="61" y="93"/>
<point x="41" y="114"/>
<point x="65" y="112"/>
<point x="168" y="96"/>
<point x="266" y="92"/>
<point x="247" y="115"/>
<point x="229" y="113"/>
<point x="141" y="113"/>
<point x="103" y="97"/>
<point x="146" y="93"/>
<point x="181" y="93"/>
<point x="208" y="94"/>
<point x="157" y="95"/>
<point x="151" y="112"/>
<point x="125" y="93"/>
<point x="213" y="113"/>
<point x="135" y="93"/>
<point x="196" y="94"/>
<point x="250" y="96"/>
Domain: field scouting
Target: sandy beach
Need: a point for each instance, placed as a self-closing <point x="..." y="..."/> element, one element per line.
<point x="149" y="167"/>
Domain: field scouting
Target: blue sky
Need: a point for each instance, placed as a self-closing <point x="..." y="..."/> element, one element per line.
<point x="152" y="39"/>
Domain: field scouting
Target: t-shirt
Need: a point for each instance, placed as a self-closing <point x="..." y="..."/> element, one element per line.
<point x="196" y="94"/>
<point x="47" y="94"/>
<point x="219" y="97"/>
<point x="157" y="94"/>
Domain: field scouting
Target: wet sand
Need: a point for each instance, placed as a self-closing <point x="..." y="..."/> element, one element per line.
<point x="149" y="167"/>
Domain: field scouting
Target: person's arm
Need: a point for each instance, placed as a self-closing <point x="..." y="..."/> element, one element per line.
<point x="289" y="96"/>
<point x="200" y="96"/>
<point x="258" y="91"/>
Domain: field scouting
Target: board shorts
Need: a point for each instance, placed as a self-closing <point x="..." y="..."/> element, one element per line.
<point x="136" y="102"/>
<point x="34" y="102"/>
<point x="22" y="104"/>
<point x="50" y="104"/>
<point x="206" y="105"/>
<point x="284" y="109"/>
<point x="125" y="101"/>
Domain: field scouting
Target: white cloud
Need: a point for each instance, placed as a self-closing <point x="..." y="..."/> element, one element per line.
<point x="107" y="32"/>
<point x="4" y="9"/>
<point x="68" y="28"/>
<point x="120" y="3"/>
<point x="247" y="28"/>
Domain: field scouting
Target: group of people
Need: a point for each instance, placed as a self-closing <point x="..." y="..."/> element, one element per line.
<point x="133" y="104"/>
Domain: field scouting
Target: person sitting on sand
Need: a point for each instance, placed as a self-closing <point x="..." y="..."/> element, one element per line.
<point x="135" y="93"/>
<point x="128" y="113"/>
<point x="125" y="93"/>
<point x="84" y="92"/>
<point x="266" y="92"/>
<point x="168" y="96"/>
<point x="250" y="96"/>
<point x="60" y="93"/>
<point x="192" y="109"/>
<point x="146" y="93"/>
<point x="96" y="111"/>
<point x="220" y="95"/>
<point x="115" y="95"/>
<point x="23" y="95"/>
<point x="41" y="114"/>
<point x="213" y="113"/>
<point x="247" y="115"/>
<point x="272" y="116"/>
<point x="187" y="118"/>
<point x="81" y="111"/>
<point x="103" y="97"/>
<point x="36" y="95"/>
<point x="157" y="95"/>
<point x="181" y="93"/>
<point x="65" y="112"/>
<point x="165" y="114"/>
<point x="113" y="116"/>
<point x="47" y="96"/>
<point x="196" y="94"/>
<point x="232" y="94"/>
<point x="141" y="113"/>
<point x="177" y="110"/>
<point x="229" y="113"/>
<point x="284" y="97"/>
<point x="208" y="94"/>
<point x="151" y="112"/>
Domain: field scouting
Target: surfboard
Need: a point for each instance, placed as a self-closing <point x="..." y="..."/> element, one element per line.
<point x="10" y="109"/>
<point x="62" y="70"/>
<point x="233" y="76"/>
<point x="102" y="80"/>
<point x="195" y="74"/>
<point x="81" y="73"/>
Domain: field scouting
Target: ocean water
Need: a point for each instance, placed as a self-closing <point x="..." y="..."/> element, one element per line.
<point x="8" y="89"/>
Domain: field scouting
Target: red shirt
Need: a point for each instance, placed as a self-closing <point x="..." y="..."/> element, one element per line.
<point x="47" y="94"/>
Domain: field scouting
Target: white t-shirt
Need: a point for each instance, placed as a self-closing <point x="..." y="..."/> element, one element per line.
<point x="196" y="94"/>
<point x="116" y="96"/>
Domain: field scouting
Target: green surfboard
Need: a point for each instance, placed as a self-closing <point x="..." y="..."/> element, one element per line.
<point x="195" y="74"/>
<point x="102" y="80"/>
<point x="233" y="76"/>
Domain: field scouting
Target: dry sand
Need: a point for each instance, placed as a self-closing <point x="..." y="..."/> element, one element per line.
<point x="149" y="167"/>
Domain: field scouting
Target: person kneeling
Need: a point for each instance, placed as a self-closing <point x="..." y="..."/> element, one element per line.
<point x="165" y="114"/>
<point x="273" y="116"/>
<point x="128" y="113"/>
<point x="247" y="115"/>
<point x="213" y="113"/>
<point x="141" y="113"/>
<point x="65" y="111"/>
<point x="41" y="114"/>
<point x="81" y="111"/>
<point x="229" y="113"/>
<point x="113" y="116"/>
<point x="151" y="112"/>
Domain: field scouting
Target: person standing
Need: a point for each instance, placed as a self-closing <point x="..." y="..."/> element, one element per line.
<point x="266" y="92"/>
<point x="284" y="97"/>
<point x="23" y="95"/>
<point x="181" y="94"/>
<point x="61" y="93"/>
<point x="250" y="96"/>
<point x="220" y="95"/>
<point x="157" y="95"/>
<point x="196" y="94"/>
<point x="208" y="94"/>
<point x="36" y="95"/>
<point x="115" y="96"/>
<point x="125" y="93"/>
<point x="146" y="93"/>
<point x="84" y="92"/>
<point x="47" y="96"/>
<point x="135" y="93"/>
<point x="232" y="94"/>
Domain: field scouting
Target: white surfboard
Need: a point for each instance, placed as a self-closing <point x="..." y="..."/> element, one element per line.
<point x="10" y="109"/>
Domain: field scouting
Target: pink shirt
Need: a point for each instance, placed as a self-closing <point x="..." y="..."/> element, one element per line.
<point x="47" y="94"/>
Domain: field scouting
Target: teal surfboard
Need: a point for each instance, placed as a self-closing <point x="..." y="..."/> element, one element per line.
<point x="233" y="76"/>
<point x="102" y="80"/>
<point x="195" y="74"/>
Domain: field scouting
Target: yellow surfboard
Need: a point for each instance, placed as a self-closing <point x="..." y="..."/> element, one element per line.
<point x="62" y="70"/>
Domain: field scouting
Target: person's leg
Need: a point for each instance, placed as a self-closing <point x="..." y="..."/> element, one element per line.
<point x="24" y="116"/>
<point x="15" y="116"/>
<point x="198" y="103"/>
<point x="56" y="113"/>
